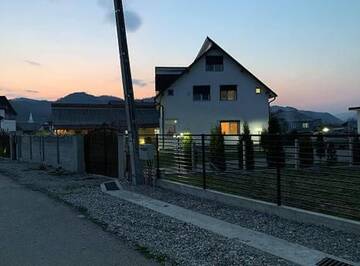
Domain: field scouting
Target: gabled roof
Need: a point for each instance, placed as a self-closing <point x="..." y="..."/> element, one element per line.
<point x="6" y="105"/>
<point x="207" y="46"/>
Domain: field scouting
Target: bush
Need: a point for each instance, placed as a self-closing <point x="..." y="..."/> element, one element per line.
<point x="249" y="148"/>
<point x="331" y="154"/>
<point x="320" y="147"/>
<point x="356" y="151"/>
<point x="187" y="151"/>
<point x="306" y="152"/>
<point x="217" y="149"/>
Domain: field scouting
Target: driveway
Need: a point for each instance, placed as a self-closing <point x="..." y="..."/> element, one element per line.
<point x="35" y="230"/>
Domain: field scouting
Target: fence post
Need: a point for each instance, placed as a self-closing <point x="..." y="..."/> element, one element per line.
<point x="296" y="153"/>
<point x="244" y="153"/>
<point x="31" y="148"/>
<point x="193" y="155"/>
<point x="203" y="160"/>
<point x="157" y="157"/>
<point x="278" y="183"/>
<point x="351" y="154"/>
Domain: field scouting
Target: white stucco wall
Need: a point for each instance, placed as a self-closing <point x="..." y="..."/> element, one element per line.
<point x="198" y="117"/>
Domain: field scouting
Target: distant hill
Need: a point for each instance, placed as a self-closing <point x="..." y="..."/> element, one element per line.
<point x="84" y="98"/>
<point x="293" y="113"/>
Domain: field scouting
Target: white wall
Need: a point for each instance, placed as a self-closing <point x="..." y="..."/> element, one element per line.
<point x="8" y="125"/>
<point x="198" y="117"/>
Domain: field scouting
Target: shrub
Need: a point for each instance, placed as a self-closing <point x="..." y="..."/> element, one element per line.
<point x="187" y="151"/>
<point x="320" y="147"/>
<point x="271" y="141"/>
<point x="306" y="152"/>
<point x="331" y="154"/>
<point x="356" y="151"/>
<point x="217" y="149"/>
<point x="249" y="148"/>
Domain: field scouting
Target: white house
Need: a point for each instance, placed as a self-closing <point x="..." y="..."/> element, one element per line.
<point x="357" y="109"/>
<point x="7" y="116"/>
<point x="214" y="90"/>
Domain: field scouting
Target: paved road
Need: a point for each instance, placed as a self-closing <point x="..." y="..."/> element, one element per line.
<point x="35" y="230"/>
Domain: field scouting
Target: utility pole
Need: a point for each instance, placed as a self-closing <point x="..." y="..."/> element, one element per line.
<point x="136" y="173"/>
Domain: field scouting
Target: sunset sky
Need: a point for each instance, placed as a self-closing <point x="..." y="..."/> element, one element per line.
<point x="308" y="51"/>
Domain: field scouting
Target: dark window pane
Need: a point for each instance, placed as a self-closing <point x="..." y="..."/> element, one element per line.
<point x="228" y="93"/>
<point x="201" y="93"/>
<point x="215" y="63"/>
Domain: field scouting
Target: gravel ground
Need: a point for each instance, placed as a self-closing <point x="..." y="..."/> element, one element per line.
<point x="167" y="240"/>
<point x="330" y="241"/>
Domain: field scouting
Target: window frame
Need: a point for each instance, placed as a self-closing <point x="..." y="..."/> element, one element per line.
<point x="211" y="67"/>
<point x="238" y="122"/>
<point x="228" y="88"/>
<point x="201" y="98"/>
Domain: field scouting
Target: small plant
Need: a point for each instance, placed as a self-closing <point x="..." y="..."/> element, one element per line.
<point x="306" y="152"/>
<point x="320" y="147"/>
<point x="249" y="148"/>
<point x="331" y="154"/>
<point x="217" y="149"/>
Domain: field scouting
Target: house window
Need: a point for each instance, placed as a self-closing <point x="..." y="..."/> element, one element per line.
<point x="215" y="63"/>
<point x="258" y="90"/>
<point x="170" y="92"/>
<point x="201" y="93"/>
<point x="305" y="125"/>
<point x="228" y="93"/>
<point x="230" y="127"/>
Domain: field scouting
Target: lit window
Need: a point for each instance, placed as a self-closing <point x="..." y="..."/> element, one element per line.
<point x="170" y="92"/>
<point x="230" y="127"/>
<point x="201" y="93"/>
<point x="258" y="90"/>
<point x="228" y="93"/>
<point x="305" y="125"/>
<point x="214" y="63"/>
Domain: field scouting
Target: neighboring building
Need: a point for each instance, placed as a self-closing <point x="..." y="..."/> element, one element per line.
<point x="357" y="109"/>
<point x="292" y="120"/>
<point x="214" y="90"/>
<point x="28" y="127"/>
<point x="70" y="119"/>
<point x="7" y="115"/>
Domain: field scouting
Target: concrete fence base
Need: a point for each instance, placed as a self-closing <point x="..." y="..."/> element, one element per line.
<point x="66" y="152"/>
<point x="294" y="214"/>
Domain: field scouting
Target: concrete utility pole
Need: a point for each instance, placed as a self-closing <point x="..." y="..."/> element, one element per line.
<point x="136" y="173"/>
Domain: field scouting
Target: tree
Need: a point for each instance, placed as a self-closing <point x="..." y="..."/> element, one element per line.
<point x="320" y="147"/>
<point x="249" y="148"/>
<point x="306" y="151"/>
<point x="217" y="149"/>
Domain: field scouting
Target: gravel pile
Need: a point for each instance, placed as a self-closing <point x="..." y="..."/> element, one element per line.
<point x="330" y="241"/>
<point x="157" y="236"/>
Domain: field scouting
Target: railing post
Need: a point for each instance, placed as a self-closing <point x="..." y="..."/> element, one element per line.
<point x="157" y="157"/>
<point x="203" y="160"/>
<point x="278" y="184"/>
<point x="244" y="154"/>
<point x="296" y="153"/>
<point x="351" y="154"/>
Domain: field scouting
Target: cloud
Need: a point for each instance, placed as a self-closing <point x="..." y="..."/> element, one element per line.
<point x="139" y="82"/>
<point x="132" y="18"/>
<point x="32" y="63"/>
<point x="31" y="91"/>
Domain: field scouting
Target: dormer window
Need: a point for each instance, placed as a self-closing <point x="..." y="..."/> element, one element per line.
<point x="214" y="63"/>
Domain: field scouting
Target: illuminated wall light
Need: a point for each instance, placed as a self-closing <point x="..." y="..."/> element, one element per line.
<point x="326" y="129"/>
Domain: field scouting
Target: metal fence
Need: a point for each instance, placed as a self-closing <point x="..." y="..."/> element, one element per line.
<point x="312" y="172"/>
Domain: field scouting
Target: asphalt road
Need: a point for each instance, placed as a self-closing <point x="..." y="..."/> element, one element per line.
<point x="36" y="230"/>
